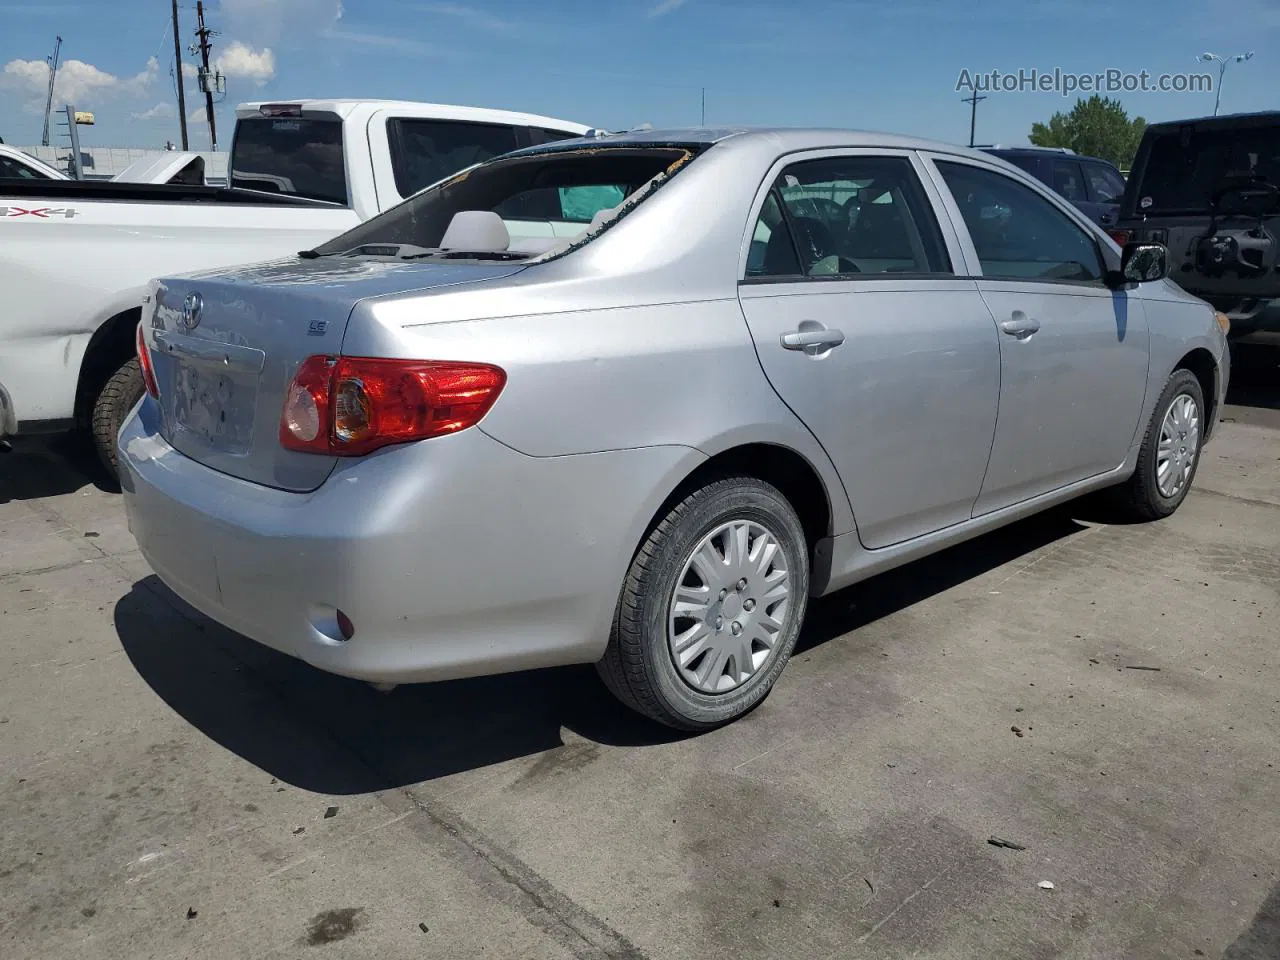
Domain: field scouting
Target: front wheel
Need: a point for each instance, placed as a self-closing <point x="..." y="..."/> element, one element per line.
<point x="711" y="606"/>
<point x="1170" y="452"/>
<point x="118" y="395"/>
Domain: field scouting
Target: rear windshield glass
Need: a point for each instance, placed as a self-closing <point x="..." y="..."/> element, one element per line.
<point x="290" y="155"/>
<point x="1183" y="176"/>
<point x="519" y="206"/>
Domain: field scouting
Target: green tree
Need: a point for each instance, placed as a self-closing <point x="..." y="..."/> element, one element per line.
<point x="1097" y="127"/>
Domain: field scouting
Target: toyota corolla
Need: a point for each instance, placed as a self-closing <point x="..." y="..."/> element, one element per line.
<point x="633" y="399"/>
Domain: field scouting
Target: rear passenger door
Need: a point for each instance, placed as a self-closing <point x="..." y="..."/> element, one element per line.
<point x="863" y="328"/>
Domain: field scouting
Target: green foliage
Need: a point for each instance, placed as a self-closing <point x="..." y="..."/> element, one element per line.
<point x="1097" y="127"/>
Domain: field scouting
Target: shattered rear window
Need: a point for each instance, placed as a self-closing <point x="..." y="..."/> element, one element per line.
<point x="550" y="201"/>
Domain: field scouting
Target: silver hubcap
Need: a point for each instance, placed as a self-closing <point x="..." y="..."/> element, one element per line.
<point x="729" y="607"/>
<point x="1179" y="445"/>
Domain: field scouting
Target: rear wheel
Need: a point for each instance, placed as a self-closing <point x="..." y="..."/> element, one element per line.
<point x="123" y="389"/>
<point x="1170" y="452"/>
<point x="711" y="606"/>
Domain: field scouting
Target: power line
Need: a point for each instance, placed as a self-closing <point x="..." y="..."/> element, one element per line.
<point x="973" y="99"/>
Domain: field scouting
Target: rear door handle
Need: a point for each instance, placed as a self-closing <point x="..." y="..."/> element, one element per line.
<point x="812" y="340"/>
<point x="1020" y="325"/>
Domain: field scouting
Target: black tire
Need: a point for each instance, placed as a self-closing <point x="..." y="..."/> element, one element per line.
<point x="637" y="666"/>
<point x="122" y="390"/>
<point x="1139" y="498"/>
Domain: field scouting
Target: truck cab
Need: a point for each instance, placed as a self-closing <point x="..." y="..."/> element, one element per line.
<point x="369" y="155"/>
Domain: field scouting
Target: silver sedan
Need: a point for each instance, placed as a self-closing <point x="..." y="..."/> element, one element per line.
<point x="633" y="399"/>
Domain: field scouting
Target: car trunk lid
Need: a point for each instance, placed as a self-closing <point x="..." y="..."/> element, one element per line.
<point x="225" y="346"/>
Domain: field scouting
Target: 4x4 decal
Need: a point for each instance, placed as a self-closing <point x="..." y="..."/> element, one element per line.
<point x="40" y="213"/>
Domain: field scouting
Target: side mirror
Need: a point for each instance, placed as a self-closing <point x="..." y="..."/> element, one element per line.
<point x="1144" y="262"/>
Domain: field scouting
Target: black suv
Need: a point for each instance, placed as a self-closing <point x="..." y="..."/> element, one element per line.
<point x="1209" y="190"/>
<point x="1093" y="185"/>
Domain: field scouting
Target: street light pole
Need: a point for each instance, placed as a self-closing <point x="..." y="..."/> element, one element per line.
<point x="1222" y="70"/>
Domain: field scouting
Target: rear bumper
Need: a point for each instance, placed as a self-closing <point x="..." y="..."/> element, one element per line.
<point x="454" y="557"/>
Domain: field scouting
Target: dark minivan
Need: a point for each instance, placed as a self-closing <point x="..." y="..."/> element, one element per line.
<point x="1094" y="186"/>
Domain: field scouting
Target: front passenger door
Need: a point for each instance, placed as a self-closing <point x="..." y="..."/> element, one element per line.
<point x="1073" y="352"/>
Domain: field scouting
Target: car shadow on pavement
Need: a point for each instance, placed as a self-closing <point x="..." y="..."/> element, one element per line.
<point x="887" y="593"/>
<point x="337" y="736"/>
<point x="1255" y="375"/>
<point x="50" y="466"/>
<point x="1261" y="940"/>
<point x="333" y="735"/>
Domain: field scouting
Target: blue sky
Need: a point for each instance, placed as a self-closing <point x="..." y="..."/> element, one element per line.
<point x="873" y="65"/>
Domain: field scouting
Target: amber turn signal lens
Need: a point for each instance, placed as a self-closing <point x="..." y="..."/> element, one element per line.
<point x="1223" y="321"/>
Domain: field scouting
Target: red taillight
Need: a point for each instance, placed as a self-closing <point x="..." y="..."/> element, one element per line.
<point x="144" y="361"/>
<point x="348" y="406"/>
<point x="1121" y="236"/>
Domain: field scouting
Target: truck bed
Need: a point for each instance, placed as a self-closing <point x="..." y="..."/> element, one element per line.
<point x="150" y="193"/>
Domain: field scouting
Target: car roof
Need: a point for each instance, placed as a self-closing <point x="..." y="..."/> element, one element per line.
<point x="782" y="139"/>
<point x="414" y="108"/>
<point x="1261" y="118"/>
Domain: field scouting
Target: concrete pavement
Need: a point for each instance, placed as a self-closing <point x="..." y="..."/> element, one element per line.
<point x="169" y="789"/>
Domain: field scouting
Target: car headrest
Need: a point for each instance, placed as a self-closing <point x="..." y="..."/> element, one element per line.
<point x="476" y="230"/>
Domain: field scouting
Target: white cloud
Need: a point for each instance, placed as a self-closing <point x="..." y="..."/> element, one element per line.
<point x="78" y="82"/>
<point x="666" y="6"/>
<point x="139" y="82"/>
<point x="241" y="60"/>
<point x="385" y="42"/>
<point x="161" y="111"/>
<point x="273" y="21"/>
<point x="197" y="116"/>
<point x="477" y="18"/>
<point x="189" y="70"/>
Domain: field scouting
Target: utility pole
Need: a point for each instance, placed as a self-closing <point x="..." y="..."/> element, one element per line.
<point x="177" y="65"/>
<point x="209" y="82"/>
<point x="973" y="99"/>
<point x="48" y="102"/>
<point x="704" y="106"/>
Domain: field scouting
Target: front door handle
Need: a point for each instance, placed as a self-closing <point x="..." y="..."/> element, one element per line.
<point x="812" y="339"/>
<point x="1020" y="325"/>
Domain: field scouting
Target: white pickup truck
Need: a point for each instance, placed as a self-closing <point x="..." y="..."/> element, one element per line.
<point x="76" y="257"/>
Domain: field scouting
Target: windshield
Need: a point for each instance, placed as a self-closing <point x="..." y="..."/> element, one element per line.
<point x="1182" y="176"/>
<point x="290" y="155"/>
<point x="516" y="207"/>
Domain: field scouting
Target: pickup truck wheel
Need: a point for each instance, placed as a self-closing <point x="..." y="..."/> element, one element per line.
<point x="1170" y="452"/>
<point x="711" y="607"/>
<point x="118" y="395"/>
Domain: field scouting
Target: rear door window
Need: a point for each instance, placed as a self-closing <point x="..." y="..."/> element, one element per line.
<point x="291" y="155"/>
<point x="426" y="151"/>
<point x="1068" y="180"/>
<point x="849" y="217"/>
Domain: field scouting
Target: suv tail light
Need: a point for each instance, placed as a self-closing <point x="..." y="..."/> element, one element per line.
<point x="349" y="406"/>
<point x="144" y="361"/>
<point x="1121" y="236"/>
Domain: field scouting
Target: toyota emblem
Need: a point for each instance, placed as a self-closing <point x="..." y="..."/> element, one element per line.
<point x="191" y="308"/>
